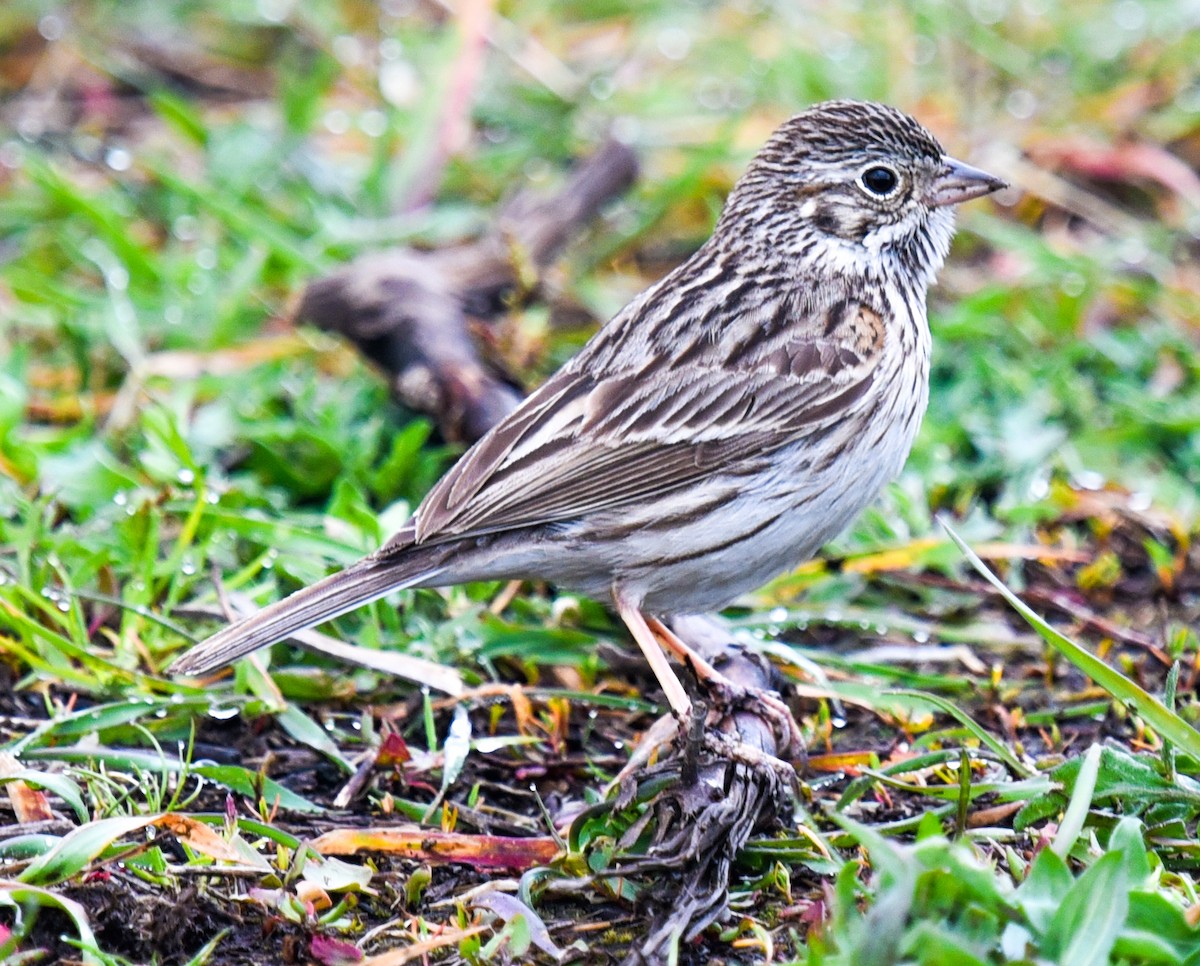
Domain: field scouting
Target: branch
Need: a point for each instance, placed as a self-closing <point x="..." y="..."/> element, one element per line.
<point x="409" y="311"/>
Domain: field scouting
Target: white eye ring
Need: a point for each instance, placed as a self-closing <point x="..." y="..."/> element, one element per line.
<point x="879" y="180"/>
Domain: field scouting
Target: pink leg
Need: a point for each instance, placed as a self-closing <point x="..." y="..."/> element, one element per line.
<point x="677" y="697"/>
<point x="784" y="720"/>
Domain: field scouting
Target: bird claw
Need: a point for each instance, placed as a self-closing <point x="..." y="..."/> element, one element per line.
<point x="742" y="752"/>
<point x="766" y="704"/>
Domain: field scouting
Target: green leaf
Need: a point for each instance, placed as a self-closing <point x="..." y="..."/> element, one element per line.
<point x="1076" y="814"/>
<point x="14" y="893"/>
<point x="1156" y="930"/>
<point x="301" y="727"/>
<point x="1041" y="893"/>
<point x="932" y="944"/>
<point x="76" y="850"/>
<point x="998" y="748"/>
<point x="1085" y="928"/>
<point x="234" y="777"/>
<point x="60" y="785"/>
<point x="1166" y="722"/>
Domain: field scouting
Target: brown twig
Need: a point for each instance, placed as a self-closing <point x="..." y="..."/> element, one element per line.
<point x="409" y="311"/>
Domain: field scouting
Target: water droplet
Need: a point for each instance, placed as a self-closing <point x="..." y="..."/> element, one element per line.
<point x="618" y="744"/>
<point x="63" y="605"/>
<point x="833" y="615"/>
<point x="348" y="49"/>
<point x="118" y="159"/>
<point x="1021" y="104"/>
<point x="274" y="11"/>
<point x="222" y="713"/>
<point x="120" y="498"/>
<point x="626" y="129"/>
<point x="51" y="27"/>
<point x="988" y="12"/>
<point x="602" y="88"/>
<point x="674" y="43"/>
<point x="713" y="95"/>
<point x="537" y="169"/>
<point x="837" y="721"/>
<point x="593" y="714"/>
<point x="206" y="259"/>
<point x="10" y="154"/>
<point x="160" y="713"/>
<point x="185" y="227"/>
<point x="373" y="123"/>
<point x="337" y="121"/>
<point x="1129" y="15"/>
<point x="778" y="615"/>
<point x="187" y="566"/>
<point x="399" y="83"/>
<point x="921" y="637"/>
<point x="1134" y="251"/>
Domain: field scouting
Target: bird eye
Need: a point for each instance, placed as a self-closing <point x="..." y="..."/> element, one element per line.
<point x="879" y="181"/>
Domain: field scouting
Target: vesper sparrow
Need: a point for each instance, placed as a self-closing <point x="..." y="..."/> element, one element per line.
<point x="724" y="425"/>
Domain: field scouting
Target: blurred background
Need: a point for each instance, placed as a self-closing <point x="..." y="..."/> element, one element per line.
<point x="172" y="174"/>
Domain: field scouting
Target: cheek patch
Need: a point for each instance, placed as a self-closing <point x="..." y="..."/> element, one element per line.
<point x="826" y="220"/>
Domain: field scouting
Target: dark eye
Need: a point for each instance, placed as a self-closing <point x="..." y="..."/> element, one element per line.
<point x="879" y="180"/>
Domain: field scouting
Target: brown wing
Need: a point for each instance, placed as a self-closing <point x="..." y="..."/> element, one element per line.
<point x="584" y="443"/>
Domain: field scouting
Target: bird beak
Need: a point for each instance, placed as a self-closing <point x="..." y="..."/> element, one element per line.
<point x="958" y="182"/>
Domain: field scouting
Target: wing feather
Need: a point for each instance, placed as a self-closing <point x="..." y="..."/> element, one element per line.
<point x="585" y="443"/>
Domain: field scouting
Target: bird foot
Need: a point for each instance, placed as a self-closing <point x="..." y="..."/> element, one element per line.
<point x="734" y="749"/>
<point x="729" y="693"/>
<point x="765" y="704"/>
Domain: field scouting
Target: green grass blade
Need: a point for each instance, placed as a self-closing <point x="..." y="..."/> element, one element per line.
<point x="1168" y="724"/>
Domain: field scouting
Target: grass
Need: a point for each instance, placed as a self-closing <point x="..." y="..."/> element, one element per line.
<point x="170" y="179"/>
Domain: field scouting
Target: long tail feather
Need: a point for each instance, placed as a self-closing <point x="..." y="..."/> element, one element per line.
<point x="360" y="583"/>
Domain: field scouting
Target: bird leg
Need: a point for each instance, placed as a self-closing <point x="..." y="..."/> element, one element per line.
<point x="779" y="713"/>
<point x="677" y="697"/>
<point x="652" y="636"/>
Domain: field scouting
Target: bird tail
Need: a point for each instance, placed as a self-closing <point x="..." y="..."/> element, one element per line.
<point x="360" y="583"/>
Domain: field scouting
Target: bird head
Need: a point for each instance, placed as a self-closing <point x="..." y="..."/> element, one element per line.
<point x="861" y="185"/>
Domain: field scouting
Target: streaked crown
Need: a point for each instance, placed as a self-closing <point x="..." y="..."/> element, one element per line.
<point x="859" y="186"/>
